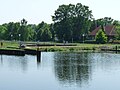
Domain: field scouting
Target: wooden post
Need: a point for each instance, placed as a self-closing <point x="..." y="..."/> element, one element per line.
<point x="1" y="44"/>
<point x="38" y="55"/>
<point x="116" y="49"/>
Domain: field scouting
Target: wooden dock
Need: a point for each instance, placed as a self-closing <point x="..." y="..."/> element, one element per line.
<point x="114" y="49"/>
<point x="12" y="52"/>
<point x="19" y="52"/>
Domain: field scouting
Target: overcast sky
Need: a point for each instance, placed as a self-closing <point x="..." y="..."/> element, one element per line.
<point x="35" y="11"/>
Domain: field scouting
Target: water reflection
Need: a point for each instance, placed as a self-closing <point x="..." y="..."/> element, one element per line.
<point x="1" y="59"/>
<point x="105" y="61"/>
<point x="38" y="58"/>
<point x="72" y="68"/>
<point x="15" y="62"/>
<point x="58" y="71"/>
<point x="81" y="69"/>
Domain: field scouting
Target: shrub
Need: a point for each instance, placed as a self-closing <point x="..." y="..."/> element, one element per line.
<point x="101" y="37"/>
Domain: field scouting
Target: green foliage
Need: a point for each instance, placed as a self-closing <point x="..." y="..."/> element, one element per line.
<point x="71" y="21"/>
<point x="23" y="32"/>
<point x="46" y="35"/>
<point x="101" y="37"/>
<point x="118" y="32"/>
<point x="43" y="32"/>
<point x="15" y="31"/>
<point x="9" y="31"/>
<point x="30" y="29"/>
<point x="2" y="32"/>
<point x="52" y="32"/>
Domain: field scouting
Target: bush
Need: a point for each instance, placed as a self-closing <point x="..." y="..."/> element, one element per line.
<point x="101" y="37"/>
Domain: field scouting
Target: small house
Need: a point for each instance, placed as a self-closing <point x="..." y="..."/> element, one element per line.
<point x="108" y="29"/>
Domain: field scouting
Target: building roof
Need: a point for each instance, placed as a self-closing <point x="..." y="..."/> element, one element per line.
<point x="109" y="30"/>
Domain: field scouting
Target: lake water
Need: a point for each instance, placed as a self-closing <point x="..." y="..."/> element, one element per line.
<point x="60" y="71"/>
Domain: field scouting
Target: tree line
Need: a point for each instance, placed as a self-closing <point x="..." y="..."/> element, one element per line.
<point x="23" y="32"/>
<point x="70" y="22"/>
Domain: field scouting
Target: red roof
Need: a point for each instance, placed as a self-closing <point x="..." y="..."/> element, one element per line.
<point x="109" y="30"/>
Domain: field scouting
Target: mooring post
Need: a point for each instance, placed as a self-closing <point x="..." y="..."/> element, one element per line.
<point x="1" y="44"/>
<point x="38" y="55"/>
<point x="116" y="49"/>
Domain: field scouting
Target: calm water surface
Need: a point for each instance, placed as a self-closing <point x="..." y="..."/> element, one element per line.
<point x="60" y="71"/>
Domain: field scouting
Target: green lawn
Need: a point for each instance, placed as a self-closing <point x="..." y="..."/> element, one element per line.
<point x="9" y="45"/>
<point x="75" y="47"/>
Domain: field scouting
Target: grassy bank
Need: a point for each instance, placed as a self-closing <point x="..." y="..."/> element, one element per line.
<point x="9" y="45"/>
<point x="83" y="47"/>
<point x="45" y="46"/>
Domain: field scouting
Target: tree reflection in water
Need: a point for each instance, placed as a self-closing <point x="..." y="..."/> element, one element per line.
<point x="72" y="68"/>
<point x="14" y="62"/>
<point x="1" y="59"/>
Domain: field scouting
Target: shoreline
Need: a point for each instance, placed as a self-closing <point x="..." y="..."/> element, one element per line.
<point x="34" y="51"/>
<point x="13" y="48"/>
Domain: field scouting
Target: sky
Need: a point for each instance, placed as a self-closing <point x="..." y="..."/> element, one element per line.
<point x="36" y="11"/>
